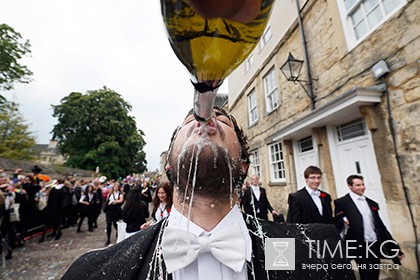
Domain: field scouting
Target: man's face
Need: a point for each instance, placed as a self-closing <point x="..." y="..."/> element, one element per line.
<point x="219" y="131"/>
<point x="255" y="180"/>
<point x="358" y="187"/>
<point x="211" y="152"/>
<point x="313" y="181"/>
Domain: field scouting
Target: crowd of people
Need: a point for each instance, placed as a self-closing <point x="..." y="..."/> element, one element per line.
<point x="36" y="206"/>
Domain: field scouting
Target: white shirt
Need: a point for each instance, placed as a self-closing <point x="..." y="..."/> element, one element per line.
<point x="207" y="267"/>
<point x="161" y="212"/>
<point x="315" y="197"/>
<point x="257" y="191"/>
<point x="114" y="196"/>
<point x="367" y="217"/>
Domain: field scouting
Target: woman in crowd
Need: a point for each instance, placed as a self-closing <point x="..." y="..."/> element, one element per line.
<point x="134" y="212"/>
<point x="87" y="204"/>
<point x="113" y="210"/>
<point x="98" y="203"/>
<point x="162" y="203"/>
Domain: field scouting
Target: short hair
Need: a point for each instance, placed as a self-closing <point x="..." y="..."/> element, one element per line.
<point x="311" y="170"/>
<point x="352" y="177"/>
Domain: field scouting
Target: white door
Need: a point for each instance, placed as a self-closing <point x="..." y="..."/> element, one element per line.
<point x="354" y="154"/>
<point x="306" y="154"/>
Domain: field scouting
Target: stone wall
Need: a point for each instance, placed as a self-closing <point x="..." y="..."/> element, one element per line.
<point x="338" y="70"/>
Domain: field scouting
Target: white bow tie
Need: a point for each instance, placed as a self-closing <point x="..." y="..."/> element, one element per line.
<point x="180" y="248"/>
<point x="317" y="193"/>
<point x="361" y="198"/>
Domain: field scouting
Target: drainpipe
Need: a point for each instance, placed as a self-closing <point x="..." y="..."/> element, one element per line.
<point x="305" y="51"/>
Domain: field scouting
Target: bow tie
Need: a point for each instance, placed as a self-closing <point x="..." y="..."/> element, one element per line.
<point x="180" y="248"/>
<point x="316" y="193"/>
<point x="361" y="198"/>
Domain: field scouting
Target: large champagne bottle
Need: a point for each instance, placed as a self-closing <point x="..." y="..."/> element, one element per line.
<point x="210" y="49"/>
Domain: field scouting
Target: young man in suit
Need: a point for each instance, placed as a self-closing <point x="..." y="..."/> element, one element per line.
<point x="310" y="205"/>
<point x="255" y="201"/>
<point x="365" y="232"/>
<point x="207" y="164"/>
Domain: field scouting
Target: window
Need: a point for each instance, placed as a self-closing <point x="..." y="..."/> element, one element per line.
<point x="248" y="62"/>
<point x="265" y="37"/>
<point x="252" y="108"/>
<point x="272" y="100"/>
<point x="277" y="171"/>
<point x="363" y="16"/>
<point x="255" y="163"/>
<point x="306" y="144"/>
<point x="351" y="130"/>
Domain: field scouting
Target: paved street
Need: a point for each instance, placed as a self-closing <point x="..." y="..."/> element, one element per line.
<point x="50" y="259"/>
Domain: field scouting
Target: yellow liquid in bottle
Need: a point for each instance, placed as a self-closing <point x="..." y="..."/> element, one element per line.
<point x="211" y="49"/>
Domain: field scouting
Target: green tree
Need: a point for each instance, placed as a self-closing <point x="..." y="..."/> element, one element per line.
<point x="12" y="49"/>
<point x="16" y="141"/>
<point x="94" y="129"/>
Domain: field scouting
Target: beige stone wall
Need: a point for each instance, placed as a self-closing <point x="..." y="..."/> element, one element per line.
<point x="338" y="70"/>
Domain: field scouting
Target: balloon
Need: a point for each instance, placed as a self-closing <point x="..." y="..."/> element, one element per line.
<point x="211" y="49"/>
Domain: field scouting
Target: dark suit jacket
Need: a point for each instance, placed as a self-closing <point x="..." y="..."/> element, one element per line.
<point x="303" y="210"/>
<point x="263" y="204"/>
<point x="136" y="258"/>
<point x="345" y="207"/>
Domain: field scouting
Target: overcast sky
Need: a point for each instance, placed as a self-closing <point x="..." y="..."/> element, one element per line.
<point x="84" y="45"/>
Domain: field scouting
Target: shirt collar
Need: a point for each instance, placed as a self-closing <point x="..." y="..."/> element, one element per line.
<point x="311" y="191"/>
<point x="357" y="197"/>
<point x="177" y="220"/>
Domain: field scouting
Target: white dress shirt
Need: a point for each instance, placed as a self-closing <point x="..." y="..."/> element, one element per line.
<point x="257" y="192"/>
<point x="206" y="266"/>
<point x="367" y="217"/>
<point x="315" y="197"/>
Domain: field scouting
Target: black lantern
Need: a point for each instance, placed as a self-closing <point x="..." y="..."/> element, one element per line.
<point x="291" y="68"/>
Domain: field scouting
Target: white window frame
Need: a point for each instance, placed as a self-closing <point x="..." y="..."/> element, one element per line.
<point x="249" y="62"/>
<point x="256" y="163"/>
<point x="265" y="37"/>
<point x="270" y="88"/>
<point x="277" y="168"/>
<point x="252" y="107"/>
<point x="346" y="20"/>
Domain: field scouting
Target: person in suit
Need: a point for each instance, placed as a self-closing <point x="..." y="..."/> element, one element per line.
<point x="310" y="205"/>
<point x="255" y="201"/>
<point x="358" y="217"/>
<point x="207" y="163"/>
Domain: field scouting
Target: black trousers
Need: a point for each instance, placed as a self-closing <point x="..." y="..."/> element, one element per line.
<point x="113" y="215"/>
<point x="368" y="264"/>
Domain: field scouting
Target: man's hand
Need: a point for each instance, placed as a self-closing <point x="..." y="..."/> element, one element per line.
<point x="239" y="10"/>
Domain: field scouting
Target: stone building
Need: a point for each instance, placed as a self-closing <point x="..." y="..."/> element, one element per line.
<point x="352" y="118"/>
<point x="49" y="153"/>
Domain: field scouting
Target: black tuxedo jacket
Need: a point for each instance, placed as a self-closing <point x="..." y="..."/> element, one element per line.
<point x="263" y="204"/>
<point x="345" y="207"/>
<point x="303" y="210"/>
<point x="136" y="258"/>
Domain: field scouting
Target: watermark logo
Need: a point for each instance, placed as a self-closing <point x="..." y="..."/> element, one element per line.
<point x="280" y="254"/>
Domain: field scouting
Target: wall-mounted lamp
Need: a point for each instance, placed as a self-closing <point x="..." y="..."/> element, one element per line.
<point x="291" y="70"/>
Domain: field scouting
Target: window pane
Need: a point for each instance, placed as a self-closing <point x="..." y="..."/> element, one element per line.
<point x="349" y="4"/>
<point x="370" y="5"/>
<point x="390" y="5"/>
<point x="357" y="16"/>
<point x="375" y="17"/>
<point x="361" y="29"/>
<point x="351" y="130"/>
<point x="277" y="163"/>
<point x="306" y="144"/>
